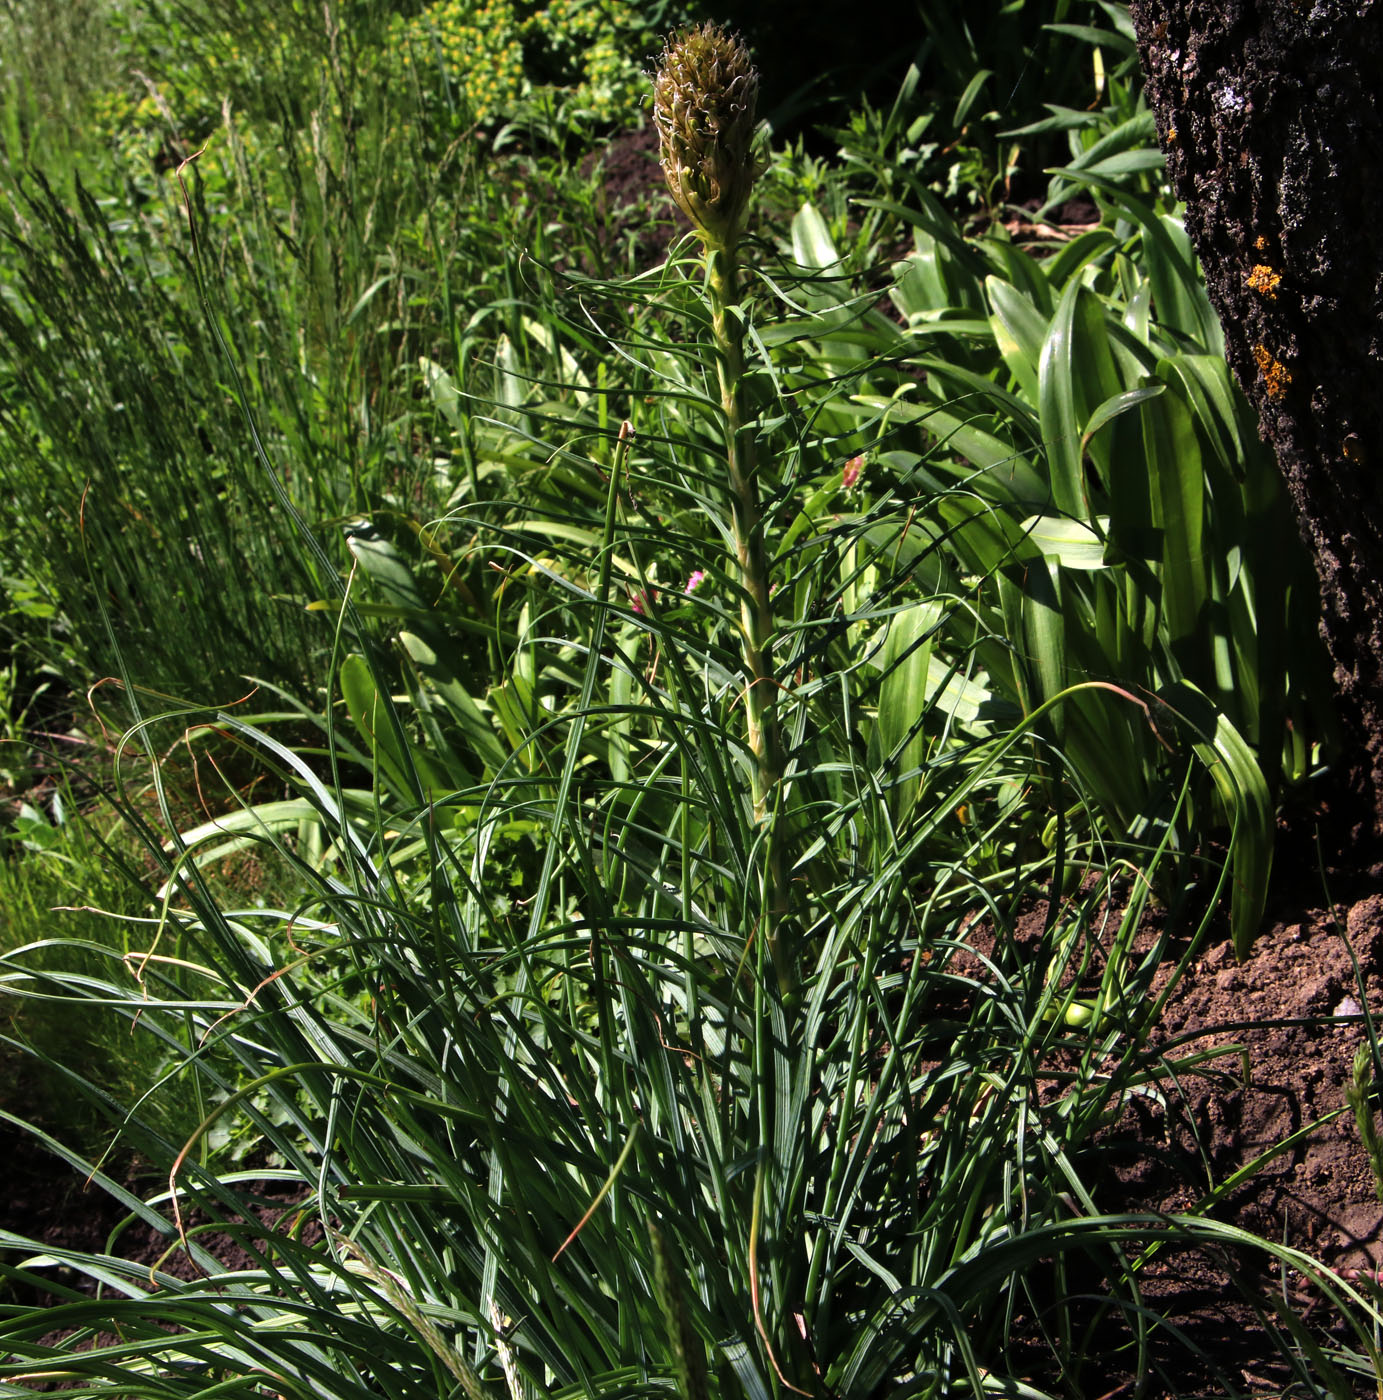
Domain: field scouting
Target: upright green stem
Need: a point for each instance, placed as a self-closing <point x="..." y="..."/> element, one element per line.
<point x="756" y="608"/>
<point x="704" y="95"/>
<point x="756" y="605"/>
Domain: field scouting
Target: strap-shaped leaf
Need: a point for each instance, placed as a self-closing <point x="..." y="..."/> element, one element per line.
<point x="1244" y="792"/>
<point x="905" y="661"/>
<point x="443" y="682"/>
<point x="1177" y="492"/>
<point x="1071" y="543"/>
<point x="1119" y="404"/>
<point x="1019" y="331"/>
<point x="396" y="761"/>
<point x="1075" y="373"/>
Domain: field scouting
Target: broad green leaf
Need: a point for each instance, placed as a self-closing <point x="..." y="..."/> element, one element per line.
<point x="1071" y="543"/>
<point x="1075" y="373"/>
<point x="1016" y="267"/>
<point x="954" y="694"/>
<point x="366" y="709"/>
<point x="1020" y="330"/>
<point x="846" y="331"/>
<point x="512" y="703"/>
<point x="961" y="389"/>
<point x="1100" y="38"/>
<point x="385" y="567"/>
<point x="1031" y="600"/>
<point x="1137" y="316"/>
<point x="1130" y="147"/>
<point x="1082" y="250"/>
<point x="930" y="279"/>
<point x="896" y="542"/>
<point x="620" y="726"/>
<point x="1062" y="119"/>
<point x="511" y="385"/>
<point x="1178" y="291"/>
<point x="1126" y="163"/>
<point x="906" y="662"/>
<point x="924" y="211"/>
<point x="466" y="713"/>
<point x="397" y="762"/>
<point x="1001" y="472"/>
<point x="1216" y="404"/>
<point x="248" y="827"/>
<point x="562" y="530"/>
<point x="1244" y="792"/>
<point x="984" y="537"/>
<point x="970" y="96"/>
<point x="444" y="393"/>
<point x="567" y="366"/>
<point x="811" y="241"/>
<point x="1177" y="493"/>
<point x="1120" y="403"/>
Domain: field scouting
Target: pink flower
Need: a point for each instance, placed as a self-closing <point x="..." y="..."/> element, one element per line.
<point x="698" y="577"/>
<point x="851" y="472"/>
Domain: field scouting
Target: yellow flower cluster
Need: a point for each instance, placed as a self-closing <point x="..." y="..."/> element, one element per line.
<point x="113" y="109"/>
<point x="478" y="46"/>
<point x="476" y="43"/>
<point x="139" y="120"/>
<point x="601" y="42"/>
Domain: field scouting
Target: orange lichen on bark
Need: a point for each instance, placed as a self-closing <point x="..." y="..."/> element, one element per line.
<point x="1264" y="280"/>
<point x="1276" y="376"/>
<point x="1261" y="243"/>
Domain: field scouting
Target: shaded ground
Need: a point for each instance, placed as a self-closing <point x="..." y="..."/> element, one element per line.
<point x="1288" y="1023"/>
<point x="1295" y="1009"/>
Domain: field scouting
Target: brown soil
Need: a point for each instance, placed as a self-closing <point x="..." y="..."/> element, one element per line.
<point x="634" y="204"/>
<point x="48" y="1203"/>
<point x="1288" y="1022"/>
<point x="1295" y="1009"/>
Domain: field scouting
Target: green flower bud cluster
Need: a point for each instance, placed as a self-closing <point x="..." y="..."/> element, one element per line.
<point x="704" y="94"/>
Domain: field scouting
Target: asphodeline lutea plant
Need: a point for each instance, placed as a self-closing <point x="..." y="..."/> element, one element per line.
<point x="704" y="97"/>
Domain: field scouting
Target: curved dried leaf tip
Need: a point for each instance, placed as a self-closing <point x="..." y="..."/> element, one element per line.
<point x="704" y="95"/>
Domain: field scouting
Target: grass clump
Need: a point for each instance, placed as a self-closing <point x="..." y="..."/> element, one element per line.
<point x="72" y="1065"/>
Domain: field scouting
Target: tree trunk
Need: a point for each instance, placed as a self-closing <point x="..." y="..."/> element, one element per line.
<point x="1270" y="113"/>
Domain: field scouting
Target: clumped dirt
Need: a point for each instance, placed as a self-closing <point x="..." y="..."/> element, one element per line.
<point x="1296" y="1009"/>
<point x="1275" y="1038"/>
<point x="633" y="203"/>
<point x="47" y="1202"/>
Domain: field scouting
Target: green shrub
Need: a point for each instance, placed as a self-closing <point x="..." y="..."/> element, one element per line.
<point x="339" y="244"/>
<point x="477" y="61"/>
<point x="1119" y="521"/>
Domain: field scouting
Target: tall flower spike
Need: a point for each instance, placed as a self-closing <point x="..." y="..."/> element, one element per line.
<point x="704" y="94"/>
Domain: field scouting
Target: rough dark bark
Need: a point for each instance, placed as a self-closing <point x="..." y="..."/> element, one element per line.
<point x="1271" y="116"/>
